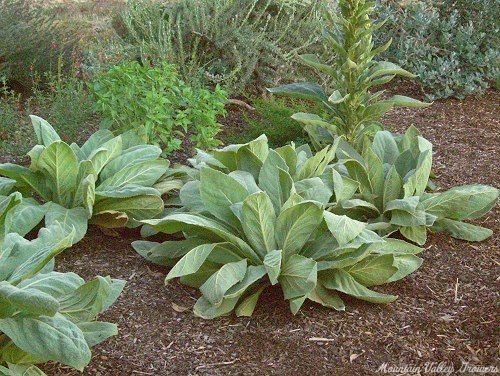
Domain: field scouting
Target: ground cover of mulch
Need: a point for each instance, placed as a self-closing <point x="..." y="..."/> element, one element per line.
<point x="447" y="311"/>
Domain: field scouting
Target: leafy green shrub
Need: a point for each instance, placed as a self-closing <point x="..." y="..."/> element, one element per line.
<point x="57" y="103"/>
<point x="156" y="104"/>
<point x="14" y="134"/>
<point x="32" y="40"/>
<point x="254" y="217"/>
<point x="352" y="110"/>
<point x="451" y="45"/>
<point x="388" y="183"/>
<point x="47" y="315"/>
<point x="273" y="117"/>
<point x="238" y="44"/>
<point x="110" y="180"/>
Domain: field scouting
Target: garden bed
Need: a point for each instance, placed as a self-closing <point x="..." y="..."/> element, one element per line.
<point x="446" y="312"/>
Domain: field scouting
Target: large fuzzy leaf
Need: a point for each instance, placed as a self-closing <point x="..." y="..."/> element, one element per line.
<point x="272" y="263"/>
<point x="275" y="180"/>
<point x="96" y="332"/>
<point x="373" y="271"/>
<point x="342" y="281"/>
<point x="48" y="338"/>
<point x="218" y="192"/>
<point x="131" y="156"/>
<point x="462" y="230"/>
<point x="226" y="277"/>
<point x="60" y="163"/>
<point x="28" y="300"/>
<point x="45" y="134"/>
<point x="136" y="207"/>
<point x="303" y="90"/>
<point x="326" y="298"/>
<point x="205" y="228"/>
<point x="166" y="253"/>
<point x="298" y="276"/>
<point x="295" y="225"/>
<point x="258" y="221"/>
<point x="406" y="264"/>
<point x="459" y="203"/>
<point x="343" y="228"/>
<point x="206" y="310"/>
<point x="191" y="262"/>
<point x="144" y="173"/>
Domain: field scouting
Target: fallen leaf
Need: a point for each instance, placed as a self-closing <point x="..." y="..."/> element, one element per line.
<point x="353" y="357"/>
<point x="179" y="308"/>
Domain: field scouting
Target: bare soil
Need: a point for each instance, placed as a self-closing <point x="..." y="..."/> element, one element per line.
<point x="448" y="311"/>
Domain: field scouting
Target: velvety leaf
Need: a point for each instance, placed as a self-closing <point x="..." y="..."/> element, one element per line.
<point x="342" y="281"/>
<point x="462" y="230"/>
<point x="258" y="219"/>
<point x="49" y="338"/>
<point x="218" y="192"/>
<point x="417" y="234"/>
<point x="166" y="253"/>
<point x="203" y="227"/>
<point x="96" y="332"/>
<point x="272" y="263"/>
<point x="295" y="225"/>
<point x="343" y="228"/>
<point x="247" y="306"/>
<point x="303" y="90"/>
<point x="191" y="261"/>
<point x="326" y="298"/>
<point x="144" y="173"/>
<point x="373" y="271"/>
<point x="298" y="276"/>
<point x="406" y="264"/>
<point x="45" y="134"/>
<point x="60" y="163"/>
<point x="206" y="310"/>
<point x="227" y="276"/>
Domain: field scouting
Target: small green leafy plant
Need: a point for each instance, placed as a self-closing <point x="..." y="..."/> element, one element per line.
<point x="352" y="109"/>
<point x="156" y="104"/>
<point x="110" y="180"/>
<point x="388" y="181"/>
<point x="47" y="315"/>
<point x="254" y="217"/>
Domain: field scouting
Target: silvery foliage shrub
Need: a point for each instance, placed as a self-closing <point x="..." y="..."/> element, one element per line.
<point x="451" y="45"/>
<point x="46" y="315"/>
<point x="253" y="216"/>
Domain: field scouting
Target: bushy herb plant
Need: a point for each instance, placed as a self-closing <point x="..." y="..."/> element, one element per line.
<point x="353" y="110"/>
<point x="241" y="45"/>
<point x="156" y="104"/>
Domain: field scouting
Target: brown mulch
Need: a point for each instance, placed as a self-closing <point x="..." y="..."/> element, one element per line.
<point x="446" y="312"/>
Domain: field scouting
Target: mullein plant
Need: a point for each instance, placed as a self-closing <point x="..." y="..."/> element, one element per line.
<point x="353" y="109"/>
<point x="253" y="216"/>
<point x="46" y="315"/>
